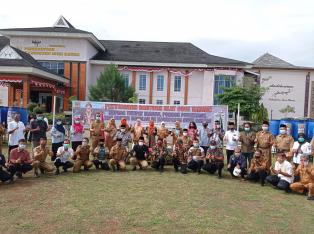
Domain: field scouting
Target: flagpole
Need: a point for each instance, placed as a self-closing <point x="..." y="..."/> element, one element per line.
<point x="54" y="110"/>
<point x="238" y="117"/>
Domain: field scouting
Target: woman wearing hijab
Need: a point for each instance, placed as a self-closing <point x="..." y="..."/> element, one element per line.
<point x="299" y="148"/>
<point x="192" y="131"/>
<point x="111" y="131"/>
<point x="57" y="137"/>
<point x="77" y="133"/>
<point x="151" y="134"/>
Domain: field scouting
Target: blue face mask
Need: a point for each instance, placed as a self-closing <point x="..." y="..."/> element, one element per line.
<point x="301" y="139"/>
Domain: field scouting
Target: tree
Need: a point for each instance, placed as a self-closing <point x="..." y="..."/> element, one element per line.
<point x="288" y="109"/>
<point x="249" y="99"/>
<point x="110" y="87"/>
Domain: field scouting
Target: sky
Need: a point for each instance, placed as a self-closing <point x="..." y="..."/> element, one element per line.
<point x="238" y="29"/>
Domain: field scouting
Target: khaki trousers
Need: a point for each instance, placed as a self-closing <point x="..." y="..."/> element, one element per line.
<point x="299" y="188"/>
<point x="113" y="163"/>
<point x="44" y="166"/>
<point x="134" y="162"/>
<point x="79" y="163"/>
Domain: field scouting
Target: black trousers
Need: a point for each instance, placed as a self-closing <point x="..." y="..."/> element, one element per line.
<point x="277" y="182"/>
<point x="75" y="144"/>
<point x="159" y="163"/>
<point x="257" y="176"/>
<point x="21" y="168"/>
<point x="195" y="165"/>
<point x="205" y="148"/>
<point x="177" y="164"/>
<point x="54" y="148"/>
<point x="65" y="165"/>
<point x="212" y="167"/>
<point x="4" y="176"/>
<point x="229" y="154"/>
<point x="242" y="173"/>
<point x="101" y="164"/>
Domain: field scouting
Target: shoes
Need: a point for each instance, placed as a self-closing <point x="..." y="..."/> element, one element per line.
<point x="57" y="172"/>
<point x="134" y="169"/>
<point x="19" y="175"/>
<point x="311" y="198"/>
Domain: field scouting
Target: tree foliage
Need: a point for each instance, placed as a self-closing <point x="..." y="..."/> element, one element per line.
<point x="110" y="87"/>
<point x="249" y="99"/>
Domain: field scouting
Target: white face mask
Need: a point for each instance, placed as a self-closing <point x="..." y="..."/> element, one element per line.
<point x="122" y="130"/>
<point x="84" y="143"/>
<point x="306" y="163"/>
<point x="265" y="128"/>
<point x="195" y="145"/>
<point x="97" y="117"/>
<point x="282" y="131"/>
<point x="185" y="134"/>
<point x="59" y="122"/>
<point x="22" y="146"/>
<point x="247" y="129"/>
<point x="237" y="154"/>
<point x="212" y="147"/>
<point x="77" y="121"/>
<point x="141" y="143"/>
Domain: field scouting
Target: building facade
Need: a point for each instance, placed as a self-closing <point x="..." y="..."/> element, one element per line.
<point x="161" y="72"/>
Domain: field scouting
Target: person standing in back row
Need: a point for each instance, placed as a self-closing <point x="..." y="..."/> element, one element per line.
<point x="231" y="140"/>
<point x="247" y="139"/>
<point x="16" y="130"/>
<point x="38" y="129"/>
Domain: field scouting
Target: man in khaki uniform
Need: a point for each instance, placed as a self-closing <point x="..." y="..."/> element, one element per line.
<point x="137" y="131"/>
<point x="97" y="129"/>
<point x="257" y="171"/>
<point x="82" y="156"/>
<point x="283" y="142"/>
<point x="117" y="155"/>
<point x="163" y="133"/>
<point x="39" y="158"/>
<point x="306" y="183"/>
<point x="187" y="142"/>
<point x="264" y="141"/>
<point x="247" y="139"/>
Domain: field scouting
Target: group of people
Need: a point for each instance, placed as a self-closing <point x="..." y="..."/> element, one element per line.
<point x="248" y="154"/>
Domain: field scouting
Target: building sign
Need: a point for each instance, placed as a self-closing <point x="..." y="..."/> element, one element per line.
<point x="158" y="113"/>
<point x="52" y="50"/>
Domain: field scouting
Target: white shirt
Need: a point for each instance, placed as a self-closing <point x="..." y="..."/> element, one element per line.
<point x="231" y="139"/>
<point x="306" y="149"/>
<point x="17" y="134"/>
<point x="64" y="155"/>
<point x="285" y="167"/>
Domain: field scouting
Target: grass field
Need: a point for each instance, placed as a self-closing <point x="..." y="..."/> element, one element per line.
<point x="149" y="202"/>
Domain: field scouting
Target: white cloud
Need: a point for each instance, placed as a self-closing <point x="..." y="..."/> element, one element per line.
<point x="242" y="29"/>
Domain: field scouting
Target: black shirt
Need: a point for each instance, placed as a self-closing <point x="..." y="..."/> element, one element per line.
<point x="140" y="151"/>
<point x="43" y="129"/>
<point x="2" y="161"/>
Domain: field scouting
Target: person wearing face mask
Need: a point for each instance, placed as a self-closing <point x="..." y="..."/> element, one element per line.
<point x="192" y="131"/>
<point x="124" y="135"/>
<point x="97" y="129"/>
<point x="64" y="155"/>
<point x="264" y="141"/>
<point x="159" y="153"/>
<point x="237" y="162"/>
<point x="100" y="154"/>
<point x="196" y="153"/>
<point x="187" y="142"/>
<point x="137" y="131"/>
<point x="283" y="142"/>
<point x="204" y="135"/>
<point x="111" y="131"/>
<point x="282" y="173"/>
<point x="217" y="134"/>
<point x="300" y="147"/>
<point x="39" y="128"/>
<point x="16" y="130"/>
<point x="82" y="156"/>
<point x="40" y="154"/>
<point x="163" y="133"/>
<point x="257" y="171"/>
<point x="180" y="157"/>
<point x="57" y="138"/>
<point x="231" y="140"/>
<point x="76" y="132"/>
<point x="20" y="161"/>
<point x="214" y="159"/>
<point x="4" y="175"/>
<point x="117" y="156"/>
<point x="247" y="139"/>
<point x="140" y="155"/>
<point x="151" y="132"/>
<point x="306" y="173"/>
<point x="176" y="132"/>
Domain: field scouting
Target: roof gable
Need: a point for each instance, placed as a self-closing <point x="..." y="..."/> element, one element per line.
<point x="63" y="23"/>
<point x="9" y="53"/>
<point x="270" y="61"/>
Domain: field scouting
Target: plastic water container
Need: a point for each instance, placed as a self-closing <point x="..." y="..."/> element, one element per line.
<point x="310" y="129"/>
<point x="274" y="127"/>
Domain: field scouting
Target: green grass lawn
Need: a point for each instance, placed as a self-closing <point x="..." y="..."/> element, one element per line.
<point x="149" y="202"/>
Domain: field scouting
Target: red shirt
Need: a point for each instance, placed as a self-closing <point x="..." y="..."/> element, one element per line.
<point x="16" y="154"/>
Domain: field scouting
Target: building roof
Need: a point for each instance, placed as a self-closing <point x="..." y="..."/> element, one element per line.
<point x="4" y="41"/>
<point x="46" y="29"/>
<point x="160" y="52"/>
<point x="270" y="61"/>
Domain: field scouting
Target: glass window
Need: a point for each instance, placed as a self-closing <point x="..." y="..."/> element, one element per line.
<point x="159" y="102"/>
<point x="177" y="83"/>
<point x="56" y="67"/>
<point x="142" y="84"/>
<point x="141" y="101"/>
<point x="176" y="102"/>
<point x="126" y="79"/>
<point x="221" y="82"/>
<point x="160" y="83"/>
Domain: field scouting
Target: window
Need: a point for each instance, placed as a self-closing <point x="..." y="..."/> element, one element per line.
<point x="221" y="82"/>
<point x="126" y="79"/>
<point x="141" y="101"/>
<point x="142" y="82"/>
<point x="176" y="102"/>
<point x="159" y="102"/>
<point x="160" y="83"/>
<point x="56" y="67"/>
<point x="177" y="83"/>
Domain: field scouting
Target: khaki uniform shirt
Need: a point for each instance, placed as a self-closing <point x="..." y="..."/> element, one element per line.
<point x="306" y="174"/>
<point x="118" y="152"/>
<point x="247" y="140"/>
<point x="41" y="154"/>
<point x="258" y="164"/>
<point x="284" y="142"/>
<point x="264" y="139"/>
<point x="82" y="152"/>
<point x="98" y="126"/>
